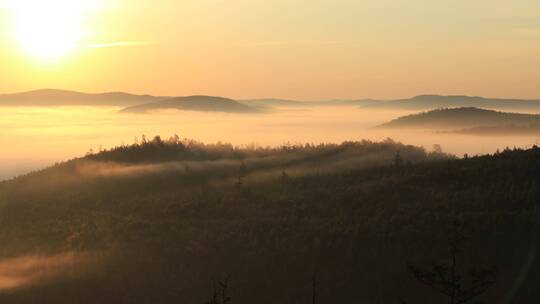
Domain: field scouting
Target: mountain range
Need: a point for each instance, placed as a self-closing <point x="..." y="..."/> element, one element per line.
<point x="144" y="103"/>
<point x="273" y="102"/>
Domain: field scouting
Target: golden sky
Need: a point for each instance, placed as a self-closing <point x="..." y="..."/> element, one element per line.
<point x="305" y="49"/>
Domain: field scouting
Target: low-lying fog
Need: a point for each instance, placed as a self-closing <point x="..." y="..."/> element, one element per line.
<point x="24" y="271"/>
<point x="33" y="138"/>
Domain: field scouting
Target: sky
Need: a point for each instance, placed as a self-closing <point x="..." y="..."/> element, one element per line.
<point x="301" y="49"/>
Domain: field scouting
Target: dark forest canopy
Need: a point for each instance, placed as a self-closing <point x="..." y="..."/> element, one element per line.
<point x="169" y="216"/>
<point x="157" y="149"/>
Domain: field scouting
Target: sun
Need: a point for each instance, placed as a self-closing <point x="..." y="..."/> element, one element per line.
<point x="48" y="29"/>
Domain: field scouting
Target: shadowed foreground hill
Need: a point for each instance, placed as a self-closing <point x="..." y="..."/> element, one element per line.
<point x="50" y="97"/>
<point x="170" y="216"/>
<point x="461" y="118"/>
<point x="194" y="103"/>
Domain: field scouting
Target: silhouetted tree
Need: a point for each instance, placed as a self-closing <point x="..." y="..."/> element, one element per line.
<point x="175" y="139"/>
<point x="314" y="293"/>
<point x="284" y="180"/>
<point x="242" y="172"/>
<point x="398" y="160"/>
<point x="446" y="278"/>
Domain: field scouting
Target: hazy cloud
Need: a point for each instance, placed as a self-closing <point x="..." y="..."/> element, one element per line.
<point x="289" y="43"/>
<point x="119" y="44"/>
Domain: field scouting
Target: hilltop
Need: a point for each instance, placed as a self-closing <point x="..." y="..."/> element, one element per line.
<point x="461" y="118"/>
<point x="194" y="103"/>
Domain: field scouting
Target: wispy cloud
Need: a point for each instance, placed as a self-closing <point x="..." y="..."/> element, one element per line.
<point x="119" y="44"/>
<point x="289" y="43"/>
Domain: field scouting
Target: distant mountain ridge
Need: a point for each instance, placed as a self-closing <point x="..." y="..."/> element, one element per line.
<point x="199" y="103"/>
<point x="274" y="102"/>
<point x="461" y="118"/>
<point x="428" y="102"/>
<point x="53" y="97"/>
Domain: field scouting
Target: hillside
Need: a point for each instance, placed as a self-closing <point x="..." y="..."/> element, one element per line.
<point x="270" y="219"/>
<point x="49" y="97"/>
<point x="461" y="118"/>
<point x="194" y="103"/>
<point x="428" y="102"/>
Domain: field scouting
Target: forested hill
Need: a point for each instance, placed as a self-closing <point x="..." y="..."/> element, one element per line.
<point x="271" y="219"/>
<point x="461" y="118"/>
<point x="157" y="150"/>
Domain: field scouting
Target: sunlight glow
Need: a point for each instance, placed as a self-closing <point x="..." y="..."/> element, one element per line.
<point x="48" y="29"/>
